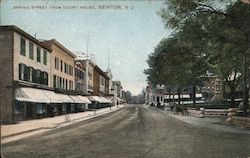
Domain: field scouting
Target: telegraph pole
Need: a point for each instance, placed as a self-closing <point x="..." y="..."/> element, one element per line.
<point x="244" y="85"/>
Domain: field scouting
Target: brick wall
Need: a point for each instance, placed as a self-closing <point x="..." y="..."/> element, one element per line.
<point x="6" y="76"/>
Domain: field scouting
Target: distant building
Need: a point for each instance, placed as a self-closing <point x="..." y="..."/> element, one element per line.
<point x="80" y="77"/>
<point x="89" y="63"/>
<point x="101" y="82"/>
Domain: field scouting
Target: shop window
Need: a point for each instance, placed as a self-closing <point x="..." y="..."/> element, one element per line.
<point x="39" y="109"/>
<point x="22" y="46"/>
<point x="31" y="50"/>
<point x="38" y="53"/>
<point x="45" y="57"/>
<point x="18" y="108"/>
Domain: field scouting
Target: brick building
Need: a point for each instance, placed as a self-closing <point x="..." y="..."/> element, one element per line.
<point x="101" y="82"/>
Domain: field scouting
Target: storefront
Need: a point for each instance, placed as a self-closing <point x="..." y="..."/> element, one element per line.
<point x="30" y="103"/>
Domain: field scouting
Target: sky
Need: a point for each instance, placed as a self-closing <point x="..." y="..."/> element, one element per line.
<point x="128" y="31"/>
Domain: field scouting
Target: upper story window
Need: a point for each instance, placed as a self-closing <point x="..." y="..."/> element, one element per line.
<point x="38" y="52"/>
<point x="102" y="81"/>
<point x="31" y="50"/>
<point x="61" y="65"/>
<point x="45" y="57"/>
<point x="65" y="68"/>
<point x="56" y="63"/>
<point x="22" y="46"/>
<point x="70" y="70"/>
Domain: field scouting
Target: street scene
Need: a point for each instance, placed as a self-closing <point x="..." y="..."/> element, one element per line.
<point x="125" y="78"/>
<point x="134" y="131"/>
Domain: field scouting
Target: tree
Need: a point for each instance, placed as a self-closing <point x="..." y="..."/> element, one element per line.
<point x="225" y="29"/>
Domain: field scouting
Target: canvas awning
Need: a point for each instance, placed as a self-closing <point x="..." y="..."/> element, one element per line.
<point x="104" y="100"/>
<point x="84" y="99"/>
<point x="76" y="99"/>
<point x="65" y="98"/>
<point x="54" y="98"/>
<point x="27" y="94"/>
<point x="199" y="95"/>
<point x="95" y="98"/>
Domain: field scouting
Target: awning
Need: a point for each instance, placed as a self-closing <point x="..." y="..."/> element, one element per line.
<point x="104" y="100"/>
<point x="198" y="95"/>
<point x="176" y="96"/>
<point x="27" y="94"/>
<point x="76" y="99"/>
<point x="84" y="99"/>
<point x="65" y="98"/>
<point x="95" y="98"/>
<point x="54" y="98"/>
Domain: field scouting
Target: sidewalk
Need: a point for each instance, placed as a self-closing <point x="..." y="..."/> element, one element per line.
<point x="219" y="124"/>
<point x="27" y="128"/>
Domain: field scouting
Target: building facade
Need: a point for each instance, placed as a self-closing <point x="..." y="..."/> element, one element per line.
<point x="101" y="82"/>
<point x="24" y="61"/>
<point x="62" y="65"/>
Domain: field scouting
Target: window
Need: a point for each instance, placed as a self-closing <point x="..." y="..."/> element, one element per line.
<point x="31" y="50"/>
<point x="39" y="76"/>
<point x="45" y="57"/>
<point x="38" y="52"/>
<point x="66" y="83"/>
<point x="54" y="81"/>
<point x="34" y="75"/>
<point x="65" y="67"/>
<point x="56" y="63"/>
<point x="70" y="70"/>
<point x="19" y="107"/>
<point x="60" y="82"/>
<point x="21" y="71"/>
<point x="26" y="73"/>
<point x="63" y="84"/>
<point x="45" y="78"/>
<point x="22" y="46"/>
<point x="61" y="65"/>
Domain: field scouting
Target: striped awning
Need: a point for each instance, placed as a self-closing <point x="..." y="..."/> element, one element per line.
<point x="54" y="97"/>
<point x="84" y="99"/>
<point x="27" y="94"/>
<point x="104" y="100"/>
<point x="76" y="99"/>
<point x="95" y="98"/>
<point x="65" y="98"/>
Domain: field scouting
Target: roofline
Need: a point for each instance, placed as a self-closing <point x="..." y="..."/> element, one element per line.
<point x="25" y="34"/>
<point x="54" y="41"/>
<point x="103" y="73"/>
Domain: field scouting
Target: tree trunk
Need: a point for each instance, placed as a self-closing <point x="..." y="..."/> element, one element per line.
<point x="194" y="94"/>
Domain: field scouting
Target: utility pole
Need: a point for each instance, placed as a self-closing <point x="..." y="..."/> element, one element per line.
<point x="244" y="85"/>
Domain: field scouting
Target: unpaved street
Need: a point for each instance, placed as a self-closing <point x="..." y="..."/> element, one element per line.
<point x="132" y="132"/>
